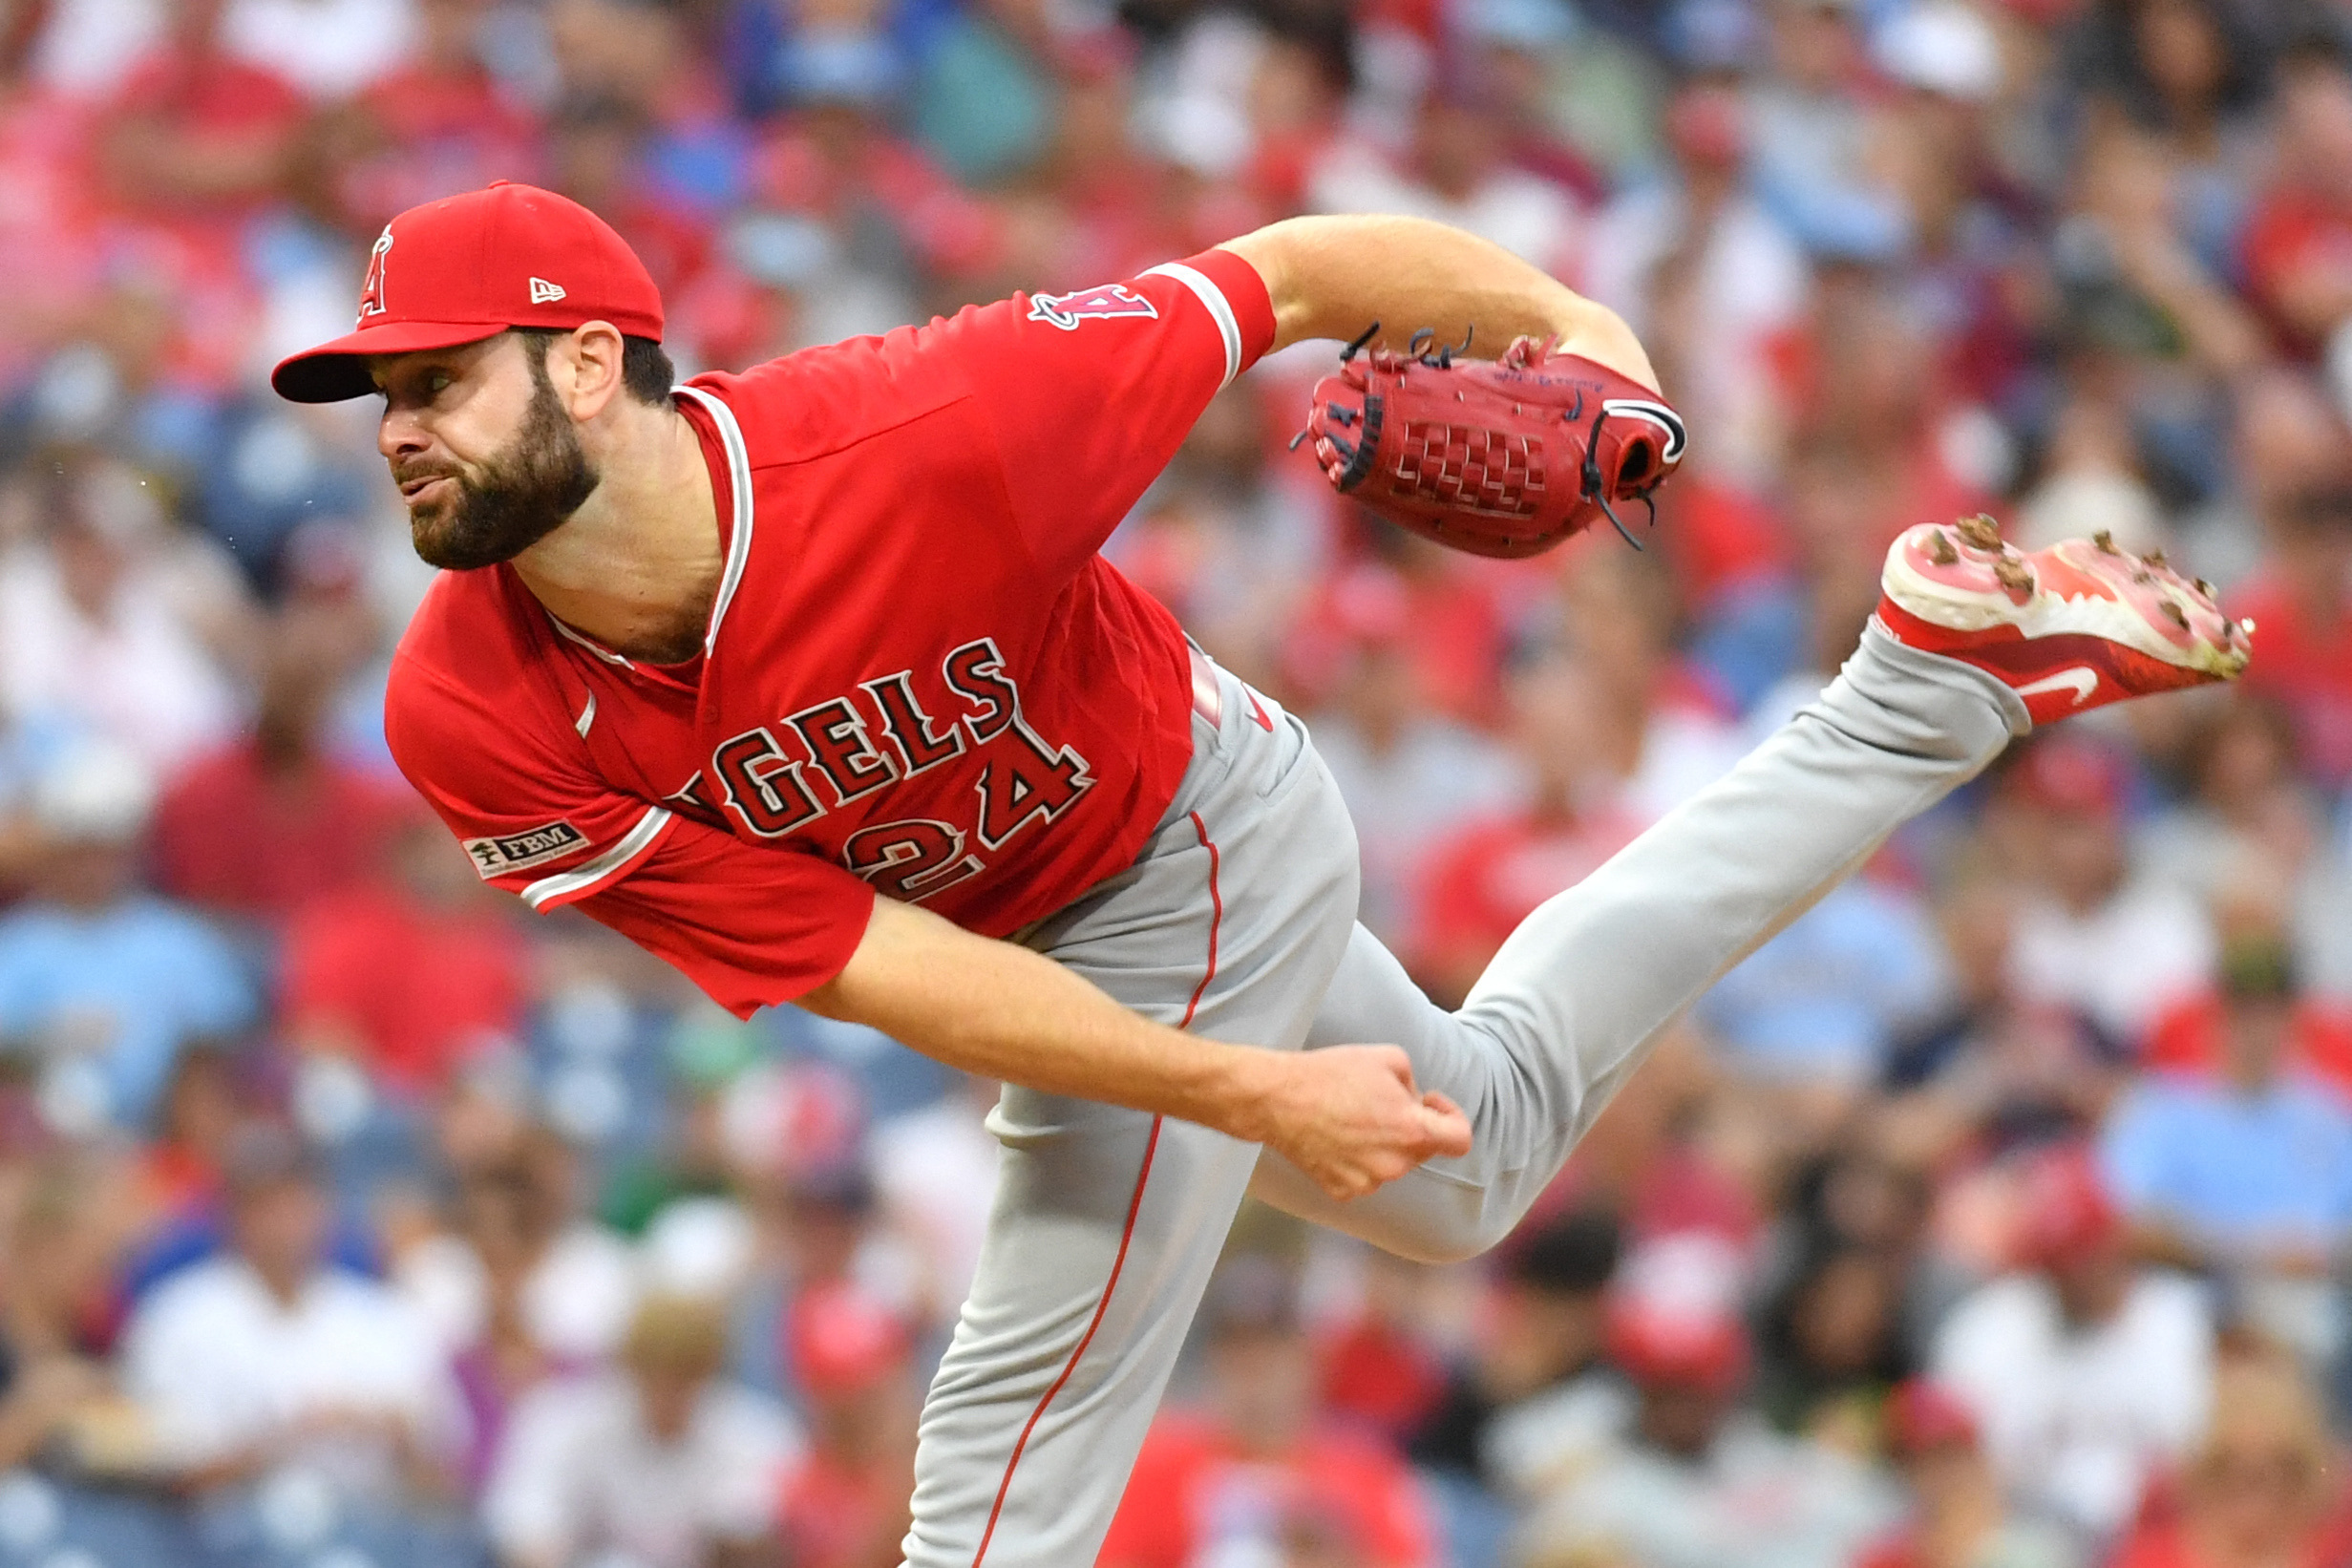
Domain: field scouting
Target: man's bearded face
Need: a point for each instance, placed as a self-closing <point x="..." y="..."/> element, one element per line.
<point x="493" y="510"/>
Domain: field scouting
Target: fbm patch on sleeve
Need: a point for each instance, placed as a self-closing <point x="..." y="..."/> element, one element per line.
<point x="521" y="850"/>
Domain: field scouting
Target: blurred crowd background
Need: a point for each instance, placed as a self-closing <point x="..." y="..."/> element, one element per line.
<point x="1993" y="1216"/>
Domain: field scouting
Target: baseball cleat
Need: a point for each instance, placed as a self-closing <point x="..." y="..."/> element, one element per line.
<point x="2069" y="628"/>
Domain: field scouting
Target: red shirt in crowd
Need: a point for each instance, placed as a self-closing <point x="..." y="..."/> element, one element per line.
<point x="2167" y="1546"/>
<point x="2188" y="1039"/>
<point x="236" y="836"/>
<point x="2290" y="234"/>
<point x="1378" y="1376"/>
<point x="919" y="678"/>
<point x="415" y="987"/>
<point x="837" y="1515"/>
<point x="442" y="130"/>
<point x="1480" y="885"/>
<point x="2308" y="668"/>
<point x="1193" y="1499"/>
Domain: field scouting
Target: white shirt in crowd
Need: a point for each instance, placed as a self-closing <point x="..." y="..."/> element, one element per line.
<point x="1525" y="214"/>
<point x="328" y="48"/>
<point x="1408" y="799"/>
<point x="141" y="677"/>
<point x="579" y="1474"/>
<point x="576" y="1304"/>
<point x="1756" y="1500"/>
<point x="219" y="1364"/>
<point x="937" y="1168"/>
<point x="2124" y="964"/>
<point x="2075" y="1419"/>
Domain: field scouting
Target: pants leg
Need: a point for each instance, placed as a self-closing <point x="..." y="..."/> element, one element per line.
<point x="1108" y="1221"/>
<point x="1581" y="990"/>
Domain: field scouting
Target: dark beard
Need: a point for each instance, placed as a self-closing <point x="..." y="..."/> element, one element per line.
<point x="516" y="499"/>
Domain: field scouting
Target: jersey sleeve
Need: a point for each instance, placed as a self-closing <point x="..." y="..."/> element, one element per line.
<point x="1089" y="394"/>
<point x="752" y="927"/>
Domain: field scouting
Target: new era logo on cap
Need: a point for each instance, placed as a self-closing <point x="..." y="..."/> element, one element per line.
<point x="542" y="291"/>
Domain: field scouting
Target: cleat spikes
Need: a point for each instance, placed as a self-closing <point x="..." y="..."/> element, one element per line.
<point x="1941" y="550"/>
<point x="2207" y="588"/>
<point x="2105" y="542"/>
<point x="2156" y="557"/>
<point x="2070" y="627"/>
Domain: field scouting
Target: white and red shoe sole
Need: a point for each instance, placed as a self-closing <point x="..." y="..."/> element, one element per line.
<point x="2069" y="628"/>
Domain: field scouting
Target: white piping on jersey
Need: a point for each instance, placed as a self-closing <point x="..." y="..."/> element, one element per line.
<point x="1205" y="289"/>
<point x="587" y="716"/>
<point x="580" y="879"/>
<point x="739" y="481"/>
<point x="590" y="644"/>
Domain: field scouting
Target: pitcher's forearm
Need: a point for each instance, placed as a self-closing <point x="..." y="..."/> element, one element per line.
<point x="1001" y="1012"/>
<point x="1331" y="277"/>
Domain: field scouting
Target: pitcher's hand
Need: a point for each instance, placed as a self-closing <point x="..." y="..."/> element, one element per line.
<point x="1352" y="1119"/>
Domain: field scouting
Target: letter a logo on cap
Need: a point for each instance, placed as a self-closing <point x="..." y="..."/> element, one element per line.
<point x="543" y="292"/>
<point x="372" y="292"/>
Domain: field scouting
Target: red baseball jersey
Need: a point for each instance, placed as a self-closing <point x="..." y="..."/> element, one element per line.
<point x="920" y="679"/>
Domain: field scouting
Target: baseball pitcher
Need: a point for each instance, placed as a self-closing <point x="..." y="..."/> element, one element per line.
<point x="811" y="680"/>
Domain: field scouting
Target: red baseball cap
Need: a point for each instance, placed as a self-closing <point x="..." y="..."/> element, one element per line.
<point x="468" y="267"/>
<point x="1922" y="1414"/>
<point x="840" y="1340"/>
<point x="2065" y="1209"/>
<point x="1676" y="1344"/>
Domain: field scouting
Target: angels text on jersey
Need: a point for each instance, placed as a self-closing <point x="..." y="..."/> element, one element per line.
<point x="778" y="778"/>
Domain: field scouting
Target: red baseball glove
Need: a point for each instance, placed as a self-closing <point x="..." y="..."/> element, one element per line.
<point x="1501" y="458"/>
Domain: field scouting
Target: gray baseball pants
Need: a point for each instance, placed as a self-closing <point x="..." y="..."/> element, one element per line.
<point x="1238" y="922"/>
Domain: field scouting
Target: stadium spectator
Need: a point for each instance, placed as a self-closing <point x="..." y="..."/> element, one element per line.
<point x="1833" y="1346"/>
<point x="198" y="138"/>
<point x="112" y="623"/>
<point x="1701" y="268"/>
<point x="2295" y="238"/>
<point x="1409" y="776"/>
<point x="406" y="972"/>
<point x="54" y="1265"/>
<point x="1958" y="1517"/>
<point x="1256" y="1472"/>
<point x="263" y="827"/>
<point x="1990" y="1065"/>
<point x="1699" y="1480"/>
<point x="845" y="1502"/>
<point x="2095" y="934"/>
<point x="522" y="1261"/>
<point x="660" y="1459"/>
<point x="2245" y="1170"/>
<point x="438" y="122"/>
<point x="2262" y="1488"/>
<point x="1822" y="1004"/>
<point x="1489" y="875"/>
<point x="2091" y="1374"/>
<point x="102" y="984"/>
<point x="1537" y="1398"/>
<point x="268" y="1358"/>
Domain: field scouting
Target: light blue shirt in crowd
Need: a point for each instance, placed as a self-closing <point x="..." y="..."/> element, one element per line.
<point x="2271" y="1167"/>
<point x="1826" y="997"/>
<point x="148" y="974"/>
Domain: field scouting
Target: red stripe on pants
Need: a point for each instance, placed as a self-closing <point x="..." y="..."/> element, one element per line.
<point x="1135" y="1206"/>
